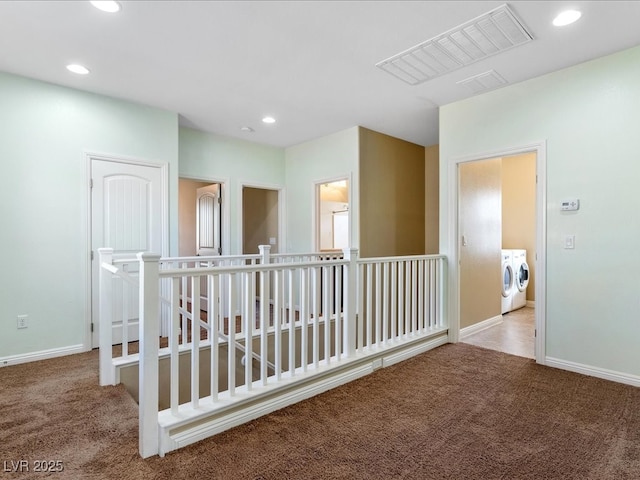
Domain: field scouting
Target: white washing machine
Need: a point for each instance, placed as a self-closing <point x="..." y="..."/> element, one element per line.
<point x="521" y="274"/>
<point x="508" y="281"/>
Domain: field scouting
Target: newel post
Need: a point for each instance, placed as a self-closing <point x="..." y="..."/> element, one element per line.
<point x="350" y="302"/>
<point x="148" y="368"/>
<point x="104" y="318"/>
<point x="265" y="254"/>
<point x="265" y="297"/>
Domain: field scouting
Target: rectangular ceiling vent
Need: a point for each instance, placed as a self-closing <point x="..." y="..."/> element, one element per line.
<point x="483" y="82"/>
<point x="494" y="32"/>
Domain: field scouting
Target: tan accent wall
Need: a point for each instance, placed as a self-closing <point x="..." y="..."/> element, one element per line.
<point x="432" y="199"/>
<point x="519" y="209"/>
<point x="259" y="219"/>
<point x="187" y="215"/>
<point x="392" y="202"/>
<point x="480" y="230"/>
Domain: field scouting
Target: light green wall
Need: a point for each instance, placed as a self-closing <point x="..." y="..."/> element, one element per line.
<point x="236" y="162"/>
<point x="46" y="130"/>
<point x="321" y="159"/>
<point x="589" y="116"/>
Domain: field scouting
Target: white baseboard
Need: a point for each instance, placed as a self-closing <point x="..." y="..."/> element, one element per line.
<point x="478" y="327"/>
<point x="531" y="303"/>
<point x="603" y="373"/>
<point x="41" y="355"/>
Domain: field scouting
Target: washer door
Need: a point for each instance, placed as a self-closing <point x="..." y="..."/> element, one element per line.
<point x="507" y="279"/>
<point x="522" y="277"/>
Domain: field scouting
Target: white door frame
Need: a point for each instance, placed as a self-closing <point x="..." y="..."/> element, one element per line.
<point x="224" y="192"/>
<point x="164" y="208"/>
<point x="282" y="240"/>
<point x="540" y="149"/>
<point x="315" y="208"/>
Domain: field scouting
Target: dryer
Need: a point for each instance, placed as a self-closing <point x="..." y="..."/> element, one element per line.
<point x="508" y="281"/>
<point x="521" y="275"/>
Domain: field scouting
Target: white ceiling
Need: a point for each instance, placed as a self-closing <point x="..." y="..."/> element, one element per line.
<point x="311" y="65"/>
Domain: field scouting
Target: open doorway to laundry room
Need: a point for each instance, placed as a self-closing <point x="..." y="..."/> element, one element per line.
<point x="497" y="222"/>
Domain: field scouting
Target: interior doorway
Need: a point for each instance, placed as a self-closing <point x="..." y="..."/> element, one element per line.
<point x="500" y="210"/>
<point x="333" y="220"/>
<point x="123" y="193"/>
<point x="260" y="219"/>
<point x="201" y="214"/>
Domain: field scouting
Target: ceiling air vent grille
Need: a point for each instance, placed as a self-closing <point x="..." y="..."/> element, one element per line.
<point x="486" y="35"/>
<point x="483" y="81"/>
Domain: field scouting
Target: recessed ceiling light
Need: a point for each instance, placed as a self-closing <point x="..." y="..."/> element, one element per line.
<point x="246" y="129"/>
<point x="269" y="120"/>
<point x="79" y="69"/>
<point x="567" y="17"/>
<point x="107" y="6"/>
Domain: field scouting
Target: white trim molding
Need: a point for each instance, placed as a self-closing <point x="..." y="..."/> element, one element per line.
<point x="611" y="375"/>
<point x="315" y="207"/>
<point x="41" y="355"/>
<point x="224" y="183"/>
<point x="480" y="326"/>
<point x="91" y="323"/>
<point x="451" y="250"/>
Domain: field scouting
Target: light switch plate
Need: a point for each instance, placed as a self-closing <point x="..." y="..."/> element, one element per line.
<point x="570" y="241"/>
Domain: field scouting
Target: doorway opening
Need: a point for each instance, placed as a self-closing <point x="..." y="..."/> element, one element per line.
<point x="500" y="211"/>
<point x="260" y="219"/>
<point x="333" y="223"/>
<point x="122" y="193"/>
<point x="201" y="213"/>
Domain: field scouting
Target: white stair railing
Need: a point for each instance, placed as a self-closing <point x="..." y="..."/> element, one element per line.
<point x="400" y="298"/>
<point x="276" y="334"/>
<point x="270" y="321"/>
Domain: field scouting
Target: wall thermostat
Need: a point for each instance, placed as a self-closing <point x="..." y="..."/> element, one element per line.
<point x="570" y="204"/>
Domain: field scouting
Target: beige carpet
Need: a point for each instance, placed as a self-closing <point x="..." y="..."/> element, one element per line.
<point x="457" y="412"/>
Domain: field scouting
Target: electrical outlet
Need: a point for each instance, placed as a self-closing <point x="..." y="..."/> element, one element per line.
<point x="22" y="321"/>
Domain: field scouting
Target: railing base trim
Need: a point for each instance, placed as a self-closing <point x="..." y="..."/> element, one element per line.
<point x="176" y="432"/>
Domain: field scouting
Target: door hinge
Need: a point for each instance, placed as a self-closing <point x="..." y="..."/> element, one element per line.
<point x="91" y="183"/>
<point x="91" y="327"/>
<point x="91" y="254"/>
<point x="535" y="333"/>
<point x="219" y="250"/>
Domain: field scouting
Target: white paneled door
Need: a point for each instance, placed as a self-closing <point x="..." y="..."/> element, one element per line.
<point x="208" y="220"/>
<point x="127" y="214"/>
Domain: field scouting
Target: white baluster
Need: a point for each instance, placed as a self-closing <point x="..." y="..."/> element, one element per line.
<point x="394" y="300"/>
<point x="195" y="341"/>
<point x="104" y="320"/>
<point x="351" y="278"/>
<point x="148" y="368"/>
<point x="174" y="345"/>
<point x="292" y="328"/>
<point x="214" y="324"/>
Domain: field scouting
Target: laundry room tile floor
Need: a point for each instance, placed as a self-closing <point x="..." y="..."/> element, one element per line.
<point x="515" y="335"/>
